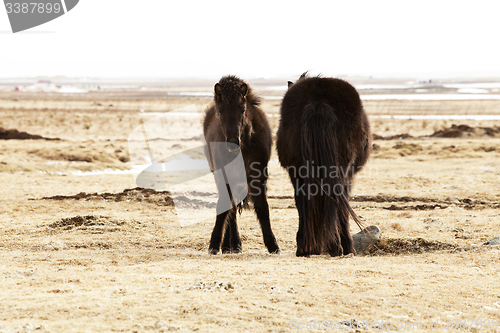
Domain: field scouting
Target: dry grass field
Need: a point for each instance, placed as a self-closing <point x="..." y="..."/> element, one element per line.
<point x="93" y="253"/>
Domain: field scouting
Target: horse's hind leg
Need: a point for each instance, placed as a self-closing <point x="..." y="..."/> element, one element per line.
<point x="262" y="210"/>
<point x="232" y="241"/>
<point x="335" y="246"/>
<point x="344" y="244"/>
<point x="345" y="233"/>
<point x="301" y="204"/>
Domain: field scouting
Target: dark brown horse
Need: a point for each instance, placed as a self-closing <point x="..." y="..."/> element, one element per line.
<point x="323" y="140"/>
<point x="236" y="120"/>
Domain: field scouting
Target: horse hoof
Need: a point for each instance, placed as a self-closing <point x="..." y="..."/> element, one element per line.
<point x="336" y="251"/>
<point x="213" y="251"/>
<point x="273" y="248"/>
<point x="275" y="251"/>
<point x="301" y="253"/>
<point x="226" y="250"/>
<point x="236" y="250"/>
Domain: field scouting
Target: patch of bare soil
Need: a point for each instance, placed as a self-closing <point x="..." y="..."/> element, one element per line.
<point x="465" y="131"/>
<point x="161" y="198"/>
<point x="455" y="131"/>
<point x="395" y="246"/>
<point x="184" y="202"/>
<point x="423" y="203"/>
<point x="91" y="223"/>
<point x="396" y="203"/>
<point x="81" y="153"/>
<point x="392" y="137"/>
<point x="13" y="134"/>
<point x="407" y="148"/>
<point x="416" y="203"/>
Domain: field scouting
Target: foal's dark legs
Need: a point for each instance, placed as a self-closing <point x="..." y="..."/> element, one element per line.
<point x="216" y="238"/>
<point x="225" y="223"/>
<point x="258" y="196"/>
<point x="232" y="241"/>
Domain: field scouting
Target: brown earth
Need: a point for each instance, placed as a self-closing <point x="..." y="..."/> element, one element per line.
<point x="135" y="194"/>
<point x="455" y="131"/>
<point x="465" y="131"/>
<point x="14" y="134"/>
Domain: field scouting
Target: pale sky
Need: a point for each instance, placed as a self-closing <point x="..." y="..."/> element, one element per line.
<point x="162" y="38"/>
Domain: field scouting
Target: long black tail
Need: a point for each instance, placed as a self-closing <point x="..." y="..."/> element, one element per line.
<point x="327" y="205"/>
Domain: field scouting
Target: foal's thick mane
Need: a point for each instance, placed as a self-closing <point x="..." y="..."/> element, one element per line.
<point x="230" y="86"/>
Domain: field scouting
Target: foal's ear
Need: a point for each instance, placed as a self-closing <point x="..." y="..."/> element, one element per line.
<point x="290" y="83"/>
<point x="217" y="89"/>
<point x="243" y="89"/>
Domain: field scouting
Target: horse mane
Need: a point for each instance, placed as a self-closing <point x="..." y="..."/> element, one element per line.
<point x="230" y="85"/>
<point x="306" y="75"/>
